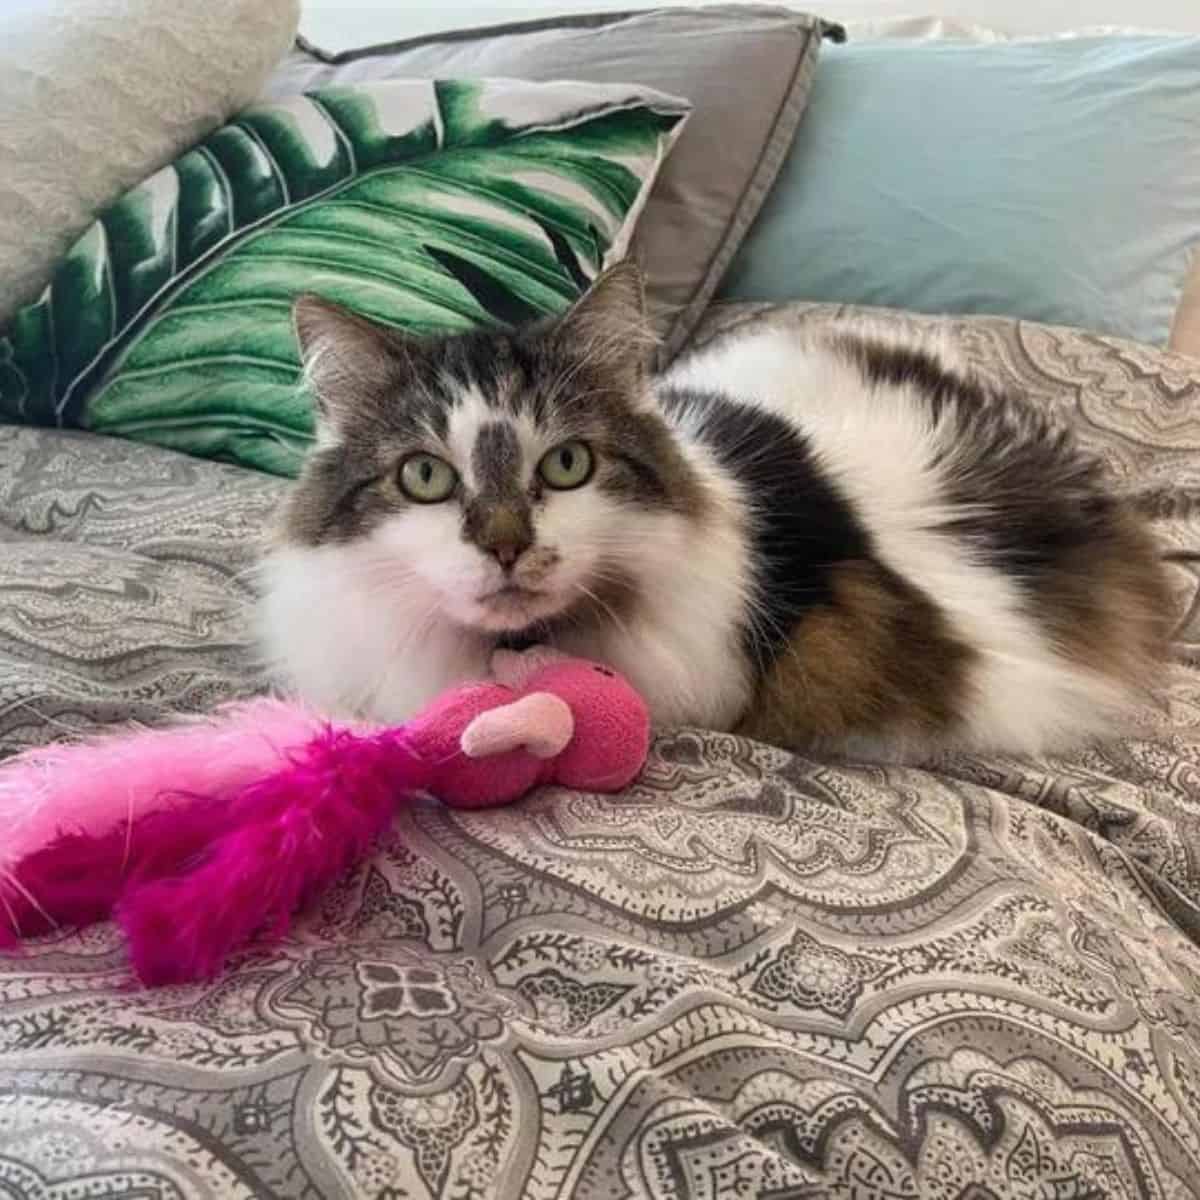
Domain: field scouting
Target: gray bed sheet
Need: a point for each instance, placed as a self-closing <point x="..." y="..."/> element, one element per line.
<point x="753" y="974"/>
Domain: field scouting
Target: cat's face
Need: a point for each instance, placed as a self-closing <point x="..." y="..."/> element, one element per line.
<point x="504" y="479"/>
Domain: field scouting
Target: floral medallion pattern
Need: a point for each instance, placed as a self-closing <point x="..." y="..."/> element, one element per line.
<point x="753" y="974"/>
<point x="808" y="975"/>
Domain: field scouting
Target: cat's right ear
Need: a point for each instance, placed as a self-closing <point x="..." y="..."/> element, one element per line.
<point x="609" y="325"/>
<point x="347" y="358"/>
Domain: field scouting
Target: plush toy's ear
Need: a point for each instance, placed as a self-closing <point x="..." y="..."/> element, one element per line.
<point x="539" y="723"/>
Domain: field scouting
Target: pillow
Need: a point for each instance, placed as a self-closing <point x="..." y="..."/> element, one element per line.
<point x="434" y="205"/>
<point x="745" y="68"/>
<point x="1056" y="180"/>
<point x="96" y="94"/>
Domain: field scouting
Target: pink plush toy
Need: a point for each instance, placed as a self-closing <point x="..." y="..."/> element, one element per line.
<point x="200" y="837"/>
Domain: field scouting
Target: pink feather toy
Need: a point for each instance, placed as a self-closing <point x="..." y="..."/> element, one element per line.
<point x="201" y="837"/>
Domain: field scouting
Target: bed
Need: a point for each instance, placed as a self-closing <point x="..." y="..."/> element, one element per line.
<point x="752" y="974"/>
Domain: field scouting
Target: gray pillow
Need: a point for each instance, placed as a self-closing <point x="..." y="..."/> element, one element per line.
<point x="746" y="69"/>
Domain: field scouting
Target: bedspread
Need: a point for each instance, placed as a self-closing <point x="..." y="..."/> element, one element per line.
<point x="753" y="974"/>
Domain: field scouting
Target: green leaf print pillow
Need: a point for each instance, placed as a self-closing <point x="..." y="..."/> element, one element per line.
<point x="434" y="205"/>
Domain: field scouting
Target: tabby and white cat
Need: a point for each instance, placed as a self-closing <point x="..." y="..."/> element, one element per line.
<point x="829" y="541"/>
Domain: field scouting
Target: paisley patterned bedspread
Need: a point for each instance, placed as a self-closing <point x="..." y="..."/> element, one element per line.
<point x="752" y="975"/>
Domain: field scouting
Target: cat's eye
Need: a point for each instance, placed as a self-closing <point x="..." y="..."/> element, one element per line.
<point x="567" y="466"/>
<point x="427" y="479"/>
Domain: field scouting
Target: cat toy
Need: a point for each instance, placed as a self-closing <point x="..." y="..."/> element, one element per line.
<point x="200" y="837"/>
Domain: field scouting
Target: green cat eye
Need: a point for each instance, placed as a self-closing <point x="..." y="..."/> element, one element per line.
<point x="427" y="479"/>
<point x="567" y="466"/>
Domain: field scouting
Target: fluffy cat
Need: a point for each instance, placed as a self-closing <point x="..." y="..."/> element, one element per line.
<point x="826" y="541"/>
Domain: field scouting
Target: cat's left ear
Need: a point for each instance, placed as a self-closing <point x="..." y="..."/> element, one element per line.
<point x="609" y="324"/>
<point x="348" y="359"/>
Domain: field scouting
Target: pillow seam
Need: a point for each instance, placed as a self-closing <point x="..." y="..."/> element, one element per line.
<point x="592" y="20"/>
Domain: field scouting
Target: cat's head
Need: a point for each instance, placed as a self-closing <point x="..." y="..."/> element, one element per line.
<point x="510" y="476"/>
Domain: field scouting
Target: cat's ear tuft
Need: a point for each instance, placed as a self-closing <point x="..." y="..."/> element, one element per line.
<point x="619" y="288"/>
<point x="609" y="325"/>
<point x="347" y="358"/>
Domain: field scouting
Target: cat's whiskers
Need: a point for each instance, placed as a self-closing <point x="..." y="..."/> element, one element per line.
<point x="612" y="614"/>
<point x="682" y="595"/>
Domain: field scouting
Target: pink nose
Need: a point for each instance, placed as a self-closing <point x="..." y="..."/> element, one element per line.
<point x="507" y="553"/>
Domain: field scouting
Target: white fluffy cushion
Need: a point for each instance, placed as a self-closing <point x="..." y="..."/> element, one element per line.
<point x="97" y="94"/>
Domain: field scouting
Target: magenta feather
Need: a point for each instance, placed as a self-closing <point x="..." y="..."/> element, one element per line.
<point x="288" y="836"/>
<point x="82" y="819"/>
<point x="79" y="877"/>
<point x="93" y="785"/>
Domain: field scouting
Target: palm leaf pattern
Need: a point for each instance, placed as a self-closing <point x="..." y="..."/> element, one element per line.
<point x="437" y="206"/>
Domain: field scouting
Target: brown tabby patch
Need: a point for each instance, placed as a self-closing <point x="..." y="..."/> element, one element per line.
<point x="878" y="658"/>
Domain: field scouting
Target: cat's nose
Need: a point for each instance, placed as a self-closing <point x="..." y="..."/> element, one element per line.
<point x="505" y="533"/>
<point x="507" y="553"/>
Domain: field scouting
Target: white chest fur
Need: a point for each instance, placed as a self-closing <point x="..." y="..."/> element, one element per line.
<point x="352" y="643"/>
<point x="680" y="644"/>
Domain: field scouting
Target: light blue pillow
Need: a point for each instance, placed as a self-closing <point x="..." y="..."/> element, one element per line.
<point x="1054" y="180"/>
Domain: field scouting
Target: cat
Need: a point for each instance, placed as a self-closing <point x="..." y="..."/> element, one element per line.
<point x="834" y="541"/>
